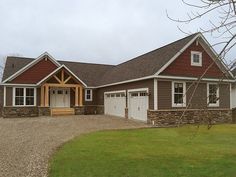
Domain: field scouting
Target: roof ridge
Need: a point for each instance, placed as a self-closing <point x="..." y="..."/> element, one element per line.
<point x="85" y="63"/>
<point x="137" y="57"/>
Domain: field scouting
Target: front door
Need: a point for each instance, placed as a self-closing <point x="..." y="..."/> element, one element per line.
<point x="60" y="97"/>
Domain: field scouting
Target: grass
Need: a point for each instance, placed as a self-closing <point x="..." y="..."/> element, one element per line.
<point x="167" y="152"/>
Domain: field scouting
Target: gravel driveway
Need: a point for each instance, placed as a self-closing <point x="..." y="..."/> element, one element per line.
<point x="27" y="143"/>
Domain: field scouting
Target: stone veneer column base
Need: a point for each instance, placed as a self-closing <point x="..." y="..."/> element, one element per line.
<point x="166" y="118"/>
<point x="79" y="110"/>
<point x="44" y="111"/>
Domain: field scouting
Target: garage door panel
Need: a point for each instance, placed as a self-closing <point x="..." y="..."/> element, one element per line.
<point x="138" y="105"/>
<point x="114" y="104"/>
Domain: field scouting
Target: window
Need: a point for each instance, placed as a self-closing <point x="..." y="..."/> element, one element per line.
<point x="178" y="94"/>
<point x="213" y="94"/>
<point x="19" y="96"/>
<point x="29" y="96"/>
<point x="24" y="96"/>
<point x="196" y="58"/>
<point x="88" y="95"/>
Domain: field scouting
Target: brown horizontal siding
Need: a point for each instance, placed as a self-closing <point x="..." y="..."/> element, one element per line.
<point x="164" y="94"/>
<point x="198" y="100"/>
<point x="99" y="99"/>
<point x="9" y="93"/>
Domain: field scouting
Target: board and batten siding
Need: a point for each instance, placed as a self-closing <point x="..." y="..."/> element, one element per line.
<point x="132" y="85"/>
<point x="199" y="99"/>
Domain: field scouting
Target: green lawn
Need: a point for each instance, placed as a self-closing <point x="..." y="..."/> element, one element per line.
<point x="154" y="152"/>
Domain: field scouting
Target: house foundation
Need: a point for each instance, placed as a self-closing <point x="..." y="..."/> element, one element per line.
<point x="166" y="118"/>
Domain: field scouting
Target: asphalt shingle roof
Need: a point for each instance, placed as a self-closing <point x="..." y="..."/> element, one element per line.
<point x="100" y="74"/>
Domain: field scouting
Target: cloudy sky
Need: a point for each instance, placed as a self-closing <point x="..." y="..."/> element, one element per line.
<point x="97" y="31"/>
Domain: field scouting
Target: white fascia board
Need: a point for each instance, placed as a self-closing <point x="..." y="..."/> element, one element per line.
<point x="74" y="75"/>
<point x="56" y="70"/>
<point x="22" y="85"/>
<point x="216" y="55"/>
<point x="32" y="64"/>
<point x="177" y="54"/>
<point x="127" y="81"/>
<point x="194" y="78"/>
<point x="45" y="78"/>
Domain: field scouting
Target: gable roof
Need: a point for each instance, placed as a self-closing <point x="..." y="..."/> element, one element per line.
<point x="93" y="75"/>
<point x="145" y="65"/>
<point x="29" y="65"/>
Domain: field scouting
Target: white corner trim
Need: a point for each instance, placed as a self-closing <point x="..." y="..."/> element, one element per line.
<point x="184" y="94"/>
<point x="231" y="96"/>
<point x="155" y="94"/>
<point x="32" y="64"/>
<point x="91" y="95"/>
<point x="117" y="91"/>
<point x="217" y="95"/>
<point x="4" y="96"/>
<point x="177" y="54"/>
<point x="138" y="90"/>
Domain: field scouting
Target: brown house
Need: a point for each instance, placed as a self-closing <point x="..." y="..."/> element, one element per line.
<point x="155" y="87"/>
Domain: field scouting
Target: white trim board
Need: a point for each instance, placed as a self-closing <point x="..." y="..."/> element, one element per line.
<point x="56" y="70"/>
<point x="138" y="90"/>
<point x="32" y="64"/>
<point x="155" y="94"/>
<point x="177" y="55"/>
<point x="117" y="91"/>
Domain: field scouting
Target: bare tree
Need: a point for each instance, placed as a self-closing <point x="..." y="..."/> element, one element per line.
<point x="222" y="28"/>
<point x="2" y="65"/>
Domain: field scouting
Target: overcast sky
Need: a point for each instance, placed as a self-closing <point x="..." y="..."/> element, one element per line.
<point x="97" y="31"/>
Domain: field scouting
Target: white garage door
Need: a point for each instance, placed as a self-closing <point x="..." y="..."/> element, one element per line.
<point x="138" y="105"/>
<point x="115" y="104"/>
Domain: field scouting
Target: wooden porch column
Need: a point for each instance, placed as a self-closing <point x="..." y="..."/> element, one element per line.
<point x="46" y="96"/>
<point x="76" y="96"/>
<point x="81" y="96"/>
<point x="42" y="103"/>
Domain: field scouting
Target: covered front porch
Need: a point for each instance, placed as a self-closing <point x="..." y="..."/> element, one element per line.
<point x="62" y="93"/>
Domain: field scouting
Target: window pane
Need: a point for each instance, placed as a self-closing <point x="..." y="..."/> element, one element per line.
<point x="88" y="97"/>
<point x="213" y="93"/>
<point x="178" y="98"/>
<point x="29" y="92"/>
<point x="19" y="101"/>
<point x="88" y="91"/>
<point x="29" y="100"/>
<point x="196" y="58"/>
<point x="19" y="91"/>
<point x="178" y="88"/>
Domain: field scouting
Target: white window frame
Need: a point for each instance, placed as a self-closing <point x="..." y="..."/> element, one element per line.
<point x="24" y="95"/>
<point x="173" y="94"/>
<point x="217" y="104"/>
<point x="200" y="58"/>
<point x="91" y="95"/>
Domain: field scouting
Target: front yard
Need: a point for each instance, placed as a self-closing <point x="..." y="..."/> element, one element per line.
<point x="171" y="152"/>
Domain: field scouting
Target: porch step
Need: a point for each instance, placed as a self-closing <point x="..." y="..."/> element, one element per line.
<point x="62" y="111"/>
